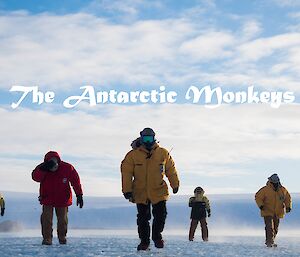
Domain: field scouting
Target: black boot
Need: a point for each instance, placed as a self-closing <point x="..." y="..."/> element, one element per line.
<point x="143" y="246"/>
<point x="159" y="243"/>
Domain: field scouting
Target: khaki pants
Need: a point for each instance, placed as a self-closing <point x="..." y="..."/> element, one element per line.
<point x="62" y="222"/>
<point x="204" y="229"/>
<point x="272" y="224"/>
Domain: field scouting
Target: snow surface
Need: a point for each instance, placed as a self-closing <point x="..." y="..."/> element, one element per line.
<point x="125" y="245"/>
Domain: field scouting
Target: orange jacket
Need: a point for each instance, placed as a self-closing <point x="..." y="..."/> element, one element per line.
<point x="143" y="174"/>
<point x="274" y="202"/>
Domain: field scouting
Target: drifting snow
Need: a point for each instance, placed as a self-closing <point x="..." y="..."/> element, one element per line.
<point x="126" y="246"/>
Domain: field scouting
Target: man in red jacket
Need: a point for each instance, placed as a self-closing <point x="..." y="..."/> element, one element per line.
<point x="55" y="177"/>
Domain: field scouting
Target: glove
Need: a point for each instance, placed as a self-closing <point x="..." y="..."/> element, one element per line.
<point x="2" y="211"/>
<point x="288" y="209"/>
<point x="261" y="207"/>
<point x="208" y="213"/>
<point x="79" y="201"/>
<point x="128" y="195"/>
<point x="46" y="166"/>
<point x="175" y="190"/>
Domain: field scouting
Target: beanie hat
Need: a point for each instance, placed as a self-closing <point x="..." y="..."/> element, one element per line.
<point x="198" y="190"/>
<point x="147" y="132"/>
<point x="274" y="178"/>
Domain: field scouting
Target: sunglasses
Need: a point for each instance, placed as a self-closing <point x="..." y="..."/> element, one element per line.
<point x="148" y="139"/>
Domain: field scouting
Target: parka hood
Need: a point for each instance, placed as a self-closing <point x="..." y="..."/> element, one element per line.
<point x="136" y="143"/>
<point x="52" y="154"/>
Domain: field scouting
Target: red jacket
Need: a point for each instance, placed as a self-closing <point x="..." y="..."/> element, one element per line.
<point x="55" y="186"/>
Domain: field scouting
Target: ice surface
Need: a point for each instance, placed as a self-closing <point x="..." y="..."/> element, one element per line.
<point x="122" y="245"/>
<point x="236" y="229"/>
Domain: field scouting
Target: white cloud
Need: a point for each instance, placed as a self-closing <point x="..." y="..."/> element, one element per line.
<point x="264" y="47"/>
<point x="127" y="6"/>
<point x="210" y="45"/>
<point x="216" y="171"/>
<point x="126" y="10"/>
<point x="188" y="190"/>
<point x="16" y="175"/>
<point x="251" y="29"/>
<point x="77" y="48"/>
<point x="279" y="68"/>
<point x="295" y="15"/>
<point x="294" y="57"/>
<point x="287" y="3"/>
<point x="199" y="10"/>
<point x="63" y="52"/>
<point x="205" y="142"/>
<point x="97" y="186"/>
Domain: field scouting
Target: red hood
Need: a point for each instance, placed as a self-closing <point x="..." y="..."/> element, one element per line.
<point x="50" y="155"/>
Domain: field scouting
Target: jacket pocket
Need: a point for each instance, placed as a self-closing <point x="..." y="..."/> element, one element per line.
<point x="138" y="169"/>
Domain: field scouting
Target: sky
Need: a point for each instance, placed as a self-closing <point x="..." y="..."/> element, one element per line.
<point x="136" y="45"/>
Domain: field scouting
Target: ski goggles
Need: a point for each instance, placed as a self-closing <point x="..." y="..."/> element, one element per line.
<point x="148" y="139"/>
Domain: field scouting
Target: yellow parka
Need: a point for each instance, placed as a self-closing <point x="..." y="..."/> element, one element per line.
<point x="274" y="202"/>
<point x="2" y="202"/>
<point x="143" y="174"/>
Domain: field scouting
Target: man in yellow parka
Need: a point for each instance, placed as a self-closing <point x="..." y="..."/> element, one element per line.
<point x="2" y="204"/>
<point x="273" y="200"/>
<point x="143" y="170"/>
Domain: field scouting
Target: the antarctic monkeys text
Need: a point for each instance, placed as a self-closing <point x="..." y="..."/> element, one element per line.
<point x="207" y="96"/>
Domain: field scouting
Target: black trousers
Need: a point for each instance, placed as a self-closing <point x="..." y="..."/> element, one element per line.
<point x="159" y="212"/>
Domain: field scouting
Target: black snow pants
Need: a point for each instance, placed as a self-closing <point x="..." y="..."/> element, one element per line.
<point x="159" y="212"/>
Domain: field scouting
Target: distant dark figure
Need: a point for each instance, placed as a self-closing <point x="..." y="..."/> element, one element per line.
<point x="273" y="200"/>
<point x="55" y="177"/>
<point x="2" y="204"/>
<point x="200" y="206"/>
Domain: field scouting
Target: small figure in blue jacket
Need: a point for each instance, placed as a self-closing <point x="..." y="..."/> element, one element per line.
<point x="200" y="206"/>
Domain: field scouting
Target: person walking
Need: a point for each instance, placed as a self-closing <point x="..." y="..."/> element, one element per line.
<point x="2" y="204"/>
<point x="273" y="201"/>
<point x="55" y="177"/>
<point x="200" y="206"/>
<point x="143" y="170"/>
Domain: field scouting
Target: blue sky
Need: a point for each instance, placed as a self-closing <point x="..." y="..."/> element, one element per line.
<point x="140" y="45"/>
